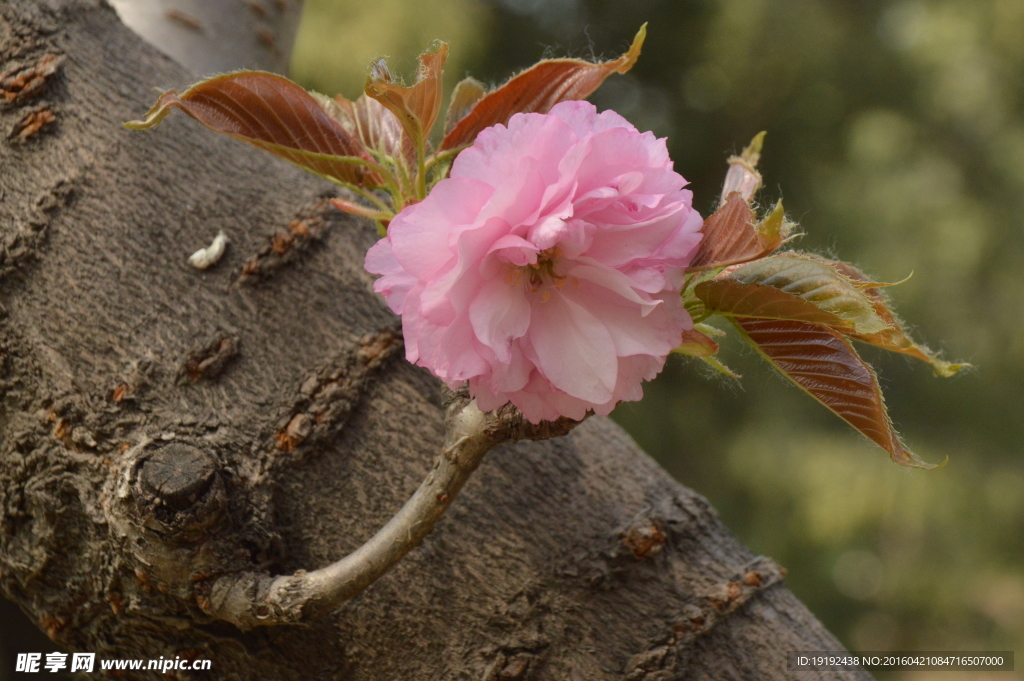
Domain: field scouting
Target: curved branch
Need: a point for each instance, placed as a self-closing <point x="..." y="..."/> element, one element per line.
<point x="249" y="599"/>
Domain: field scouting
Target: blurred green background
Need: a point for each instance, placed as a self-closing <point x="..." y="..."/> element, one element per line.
<point x="896" y="138"/>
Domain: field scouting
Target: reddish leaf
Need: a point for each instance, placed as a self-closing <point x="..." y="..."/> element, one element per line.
<point x="823" y="363"/>
<point x="795" y="287"/>
<point x="699" y="345"/>
<point x="417" y="105"/>
<point x="895" y="338"/>
<point x="696" y="344"/>
<point x="372" y="124"/>
<point x="539" y="88"/>
<point x="730" y="236"/>
<point x="734" y="298"/>
<point x="465" y="96"/>
<point x="272" y="113"/>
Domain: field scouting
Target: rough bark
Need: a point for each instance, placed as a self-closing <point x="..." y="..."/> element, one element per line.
<point x="161" y="426"/>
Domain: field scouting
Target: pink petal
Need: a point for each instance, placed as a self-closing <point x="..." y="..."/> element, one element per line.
<point x="419" y="233"/>
<point x="574" y="350"/>
<point x="500" y="314"/>
<point x="396" y="282"/>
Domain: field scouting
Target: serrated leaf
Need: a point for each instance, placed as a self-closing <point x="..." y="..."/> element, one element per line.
<point x="794" y="287"/>
<point x="416" y="106"/>
<point x="537" y="89"/>
<point x="467" y="93"/>
<point x="696" y="344"/>
<point x="824" y="364"/>
<point x="895" y="337"/>
<point x="273" y="113"/>
<point x="734" y="298"/>
<point x="730" y="237"/>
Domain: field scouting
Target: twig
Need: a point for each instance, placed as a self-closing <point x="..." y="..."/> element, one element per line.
<point x="251" y="599"/>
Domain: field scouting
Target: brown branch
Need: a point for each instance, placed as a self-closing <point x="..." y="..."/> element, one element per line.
<point x="249" y="599"/>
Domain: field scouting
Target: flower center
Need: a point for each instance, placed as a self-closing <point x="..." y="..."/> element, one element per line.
<point x="545" y="266"/>
<point x="540" y="273"/>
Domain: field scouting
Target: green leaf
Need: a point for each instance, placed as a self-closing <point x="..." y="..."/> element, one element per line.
<point x="774" y="229"/>
<point x="823" y="363"/>
<point x="696" y="344"/>
<point x="720" y="367"/>
<point x="274" y="114"/>
<point x="895" y="337"/>
<point x="467" y="93"/>
<point x="537" y="89"/>
<point x="794" y="287"/>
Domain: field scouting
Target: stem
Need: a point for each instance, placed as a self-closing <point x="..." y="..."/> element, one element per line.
<point x="421" y="168"/>
<point x="444" y="156"/>
<point x="369" y="196"/>
<point x="382" y="163"/>
<point x="248" y="599"/>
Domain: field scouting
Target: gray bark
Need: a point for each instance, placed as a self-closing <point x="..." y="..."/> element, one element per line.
<point x="213" y="36"/>
<point x="161" y="427"/>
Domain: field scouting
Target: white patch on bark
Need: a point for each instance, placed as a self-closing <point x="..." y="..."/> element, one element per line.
<point x="205" y="257"/>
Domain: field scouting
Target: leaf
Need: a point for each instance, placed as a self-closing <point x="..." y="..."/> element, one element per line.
<point x="539" y="88"/>
<point x="373" y="125"/>
<point x="774" y="228"/>
<point x="895" y="338"/>
<point x="730" y="236"/>
<point x="734" y="298"/>
<point x="720" y="367"/>
<point x="417" y="105"/>
<point x="823" y="363"/>
<point x="696" y="344"/>
<point x="709" y="330"/>
<point x="274" y="114"/>
<point x="794" y="287"/>
<point x="465" y="96"/>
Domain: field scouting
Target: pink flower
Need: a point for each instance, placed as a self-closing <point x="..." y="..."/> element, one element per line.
<point x="546" y="269"/>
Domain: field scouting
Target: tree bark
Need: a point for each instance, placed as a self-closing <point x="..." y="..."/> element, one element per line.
<point x="212" y="36"/>
<point x="162" y="426"/>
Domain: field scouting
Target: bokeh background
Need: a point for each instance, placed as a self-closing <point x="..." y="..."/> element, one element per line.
<point x="896" y="138"/>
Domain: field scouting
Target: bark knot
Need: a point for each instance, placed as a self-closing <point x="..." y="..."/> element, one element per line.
<point x="327" y="398"/>
<point x="26" y="81"/>
<point x="211" y="359"/>
<point x="32" y="123"/>
<point x="644" y="538"/>
<point x="666" y="657"/>
<point x="286" y="245"/>
<point x="178" y="492"/>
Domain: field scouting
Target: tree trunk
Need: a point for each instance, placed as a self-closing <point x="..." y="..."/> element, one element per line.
<point x="162" y="426"/>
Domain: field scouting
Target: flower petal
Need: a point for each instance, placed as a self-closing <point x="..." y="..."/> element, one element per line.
<point x="500" y="314"/>
<point x="574" y="350"/>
